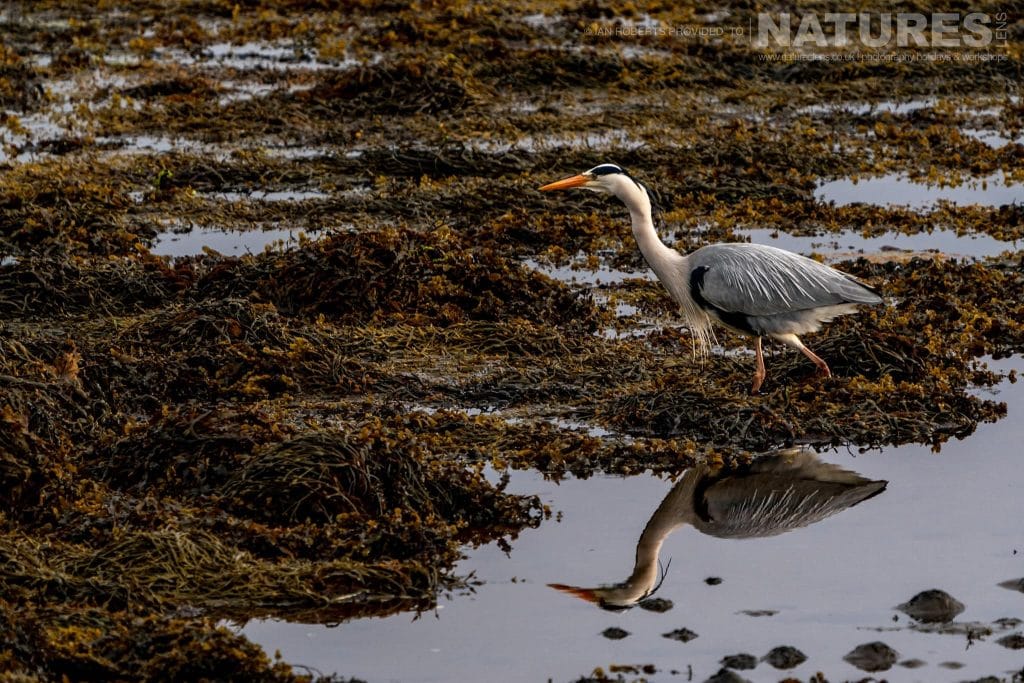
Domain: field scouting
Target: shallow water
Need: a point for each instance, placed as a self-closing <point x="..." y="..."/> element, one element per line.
<point x="850" y="244"/>
<point x="269" y="195"/>
<point x="862" y="108"/>
<point x="899" y="108"/>
<point x="897" y="189"/>
<point x="583" y="276"/>
<point x="947" y="520"/>
<point x="992" y="138"/>
<point x="227" y="242"/>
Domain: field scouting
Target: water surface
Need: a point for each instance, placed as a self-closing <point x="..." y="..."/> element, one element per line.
<point x="897" y="189"/>
<point x="850" y="244"/>
<point x="948" y="520"/>
<point x="227" y="242"/>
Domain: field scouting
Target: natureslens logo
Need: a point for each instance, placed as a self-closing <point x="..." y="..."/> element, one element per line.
<point x="879" y="30"/>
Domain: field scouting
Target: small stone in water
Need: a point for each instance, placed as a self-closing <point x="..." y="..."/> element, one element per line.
<point x="1014" y="641"/>
<point x="785" y="657"/>
<point x="614" y="633"/>
<point x="683" y="635"/>
<point x="655" y="604"/>
<point x="726" y="676"/>
<point x="932" y="607"/>
<point x="740" y="661"/>
<point x="876" y="656"/>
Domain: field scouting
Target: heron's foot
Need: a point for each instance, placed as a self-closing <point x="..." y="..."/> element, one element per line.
<point x="823" y="370"/>
<point x="758" y="381"/>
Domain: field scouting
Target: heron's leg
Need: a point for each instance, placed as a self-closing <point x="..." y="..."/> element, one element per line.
<point x="759" y="371"/>
<point x="816" y="359"/>
<point x="794" y="341"/>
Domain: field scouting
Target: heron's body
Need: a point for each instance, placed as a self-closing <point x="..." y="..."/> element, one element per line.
<point x="752" y="289"/>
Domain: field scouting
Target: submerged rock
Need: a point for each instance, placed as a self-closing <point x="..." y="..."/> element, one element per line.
<point x="726" y="676"/>
<point x="683" y="635"/>
<point x="740" y="661"/>
<point x="785" y="657"/>
<point x="614" y="633"/>
<point x="655" y="604"/>
<point x="876" y="656"/>
<point x="932" y="607"/>
<point x="912" y="663"/>
<point x="1014" y="641"/>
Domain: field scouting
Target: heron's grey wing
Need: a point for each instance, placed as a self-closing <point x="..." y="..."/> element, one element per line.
<point x="768" y="504"/>
<point x="758" y="280"/>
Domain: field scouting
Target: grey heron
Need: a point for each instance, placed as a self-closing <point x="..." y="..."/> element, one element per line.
<point x="752" y="289"/>
<point x="774" y="494"/>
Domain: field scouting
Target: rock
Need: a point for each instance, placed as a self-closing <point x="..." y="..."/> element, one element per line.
<point x="876" y="656"/>
<point x="912" y="663"/>
<point x="1014" y="584"/>
<point x="932" y="607"/>
<point x="726" y="676"/>
<point x="683" y="635"/>
<point x="740" y="661"/>
<point x="614" y="633"/>
<point x="712" y="581"/>
<point x="759" y="612"/>
<point x="1014" y="641"/>
<point x="785" y="657"/>
<point x="655" y="604"/>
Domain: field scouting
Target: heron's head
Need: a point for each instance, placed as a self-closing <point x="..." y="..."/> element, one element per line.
<point x="607" y="597"/>
<point x="613" y="180"/>
<point x="607" y="178"/>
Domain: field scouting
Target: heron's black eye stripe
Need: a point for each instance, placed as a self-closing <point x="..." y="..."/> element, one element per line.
<point x="605" y="169"/>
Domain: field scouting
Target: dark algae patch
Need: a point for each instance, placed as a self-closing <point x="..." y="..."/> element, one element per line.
<point x="315" y="432"/>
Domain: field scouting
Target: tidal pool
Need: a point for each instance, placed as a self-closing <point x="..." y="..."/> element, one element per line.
<point x="227" y="242"/>
<point x="898" y="190"/>
<point x="948" y="520"/>
<point x="851" y="244"/>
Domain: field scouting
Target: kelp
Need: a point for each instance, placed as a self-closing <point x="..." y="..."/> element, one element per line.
<point x="315" y="431"/>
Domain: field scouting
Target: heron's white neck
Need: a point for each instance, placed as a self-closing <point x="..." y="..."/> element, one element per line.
<point x="638" y="202"/>
<point x="669" y="265"/>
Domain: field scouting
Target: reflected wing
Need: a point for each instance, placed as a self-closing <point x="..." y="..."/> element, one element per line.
<point x="768" y="504"/>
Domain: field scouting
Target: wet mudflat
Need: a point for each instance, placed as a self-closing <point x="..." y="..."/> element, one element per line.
<point x="286" y="331"/>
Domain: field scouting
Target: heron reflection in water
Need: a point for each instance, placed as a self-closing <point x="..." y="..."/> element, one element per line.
<point x="772" y="495"/>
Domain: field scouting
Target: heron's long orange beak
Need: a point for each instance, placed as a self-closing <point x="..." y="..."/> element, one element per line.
<point x="588" y="594"/>
<point x="575" y="181"/>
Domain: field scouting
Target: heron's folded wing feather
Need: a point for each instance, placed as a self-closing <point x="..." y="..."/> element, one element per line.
<point x="759" y="280"/>
<point x="766" y="505"/>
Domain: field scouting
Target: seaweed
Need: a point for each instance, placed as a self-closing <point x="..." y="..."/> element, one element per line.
<point x="399" y="274"/>
<point x="313" y="431"/>
<point x="403" y="87"/>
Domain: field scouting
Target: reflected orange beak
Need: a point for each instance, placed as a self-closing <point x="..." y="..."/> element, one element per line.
<point x="575" y="181"/>
<point x="588" y="594"/>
